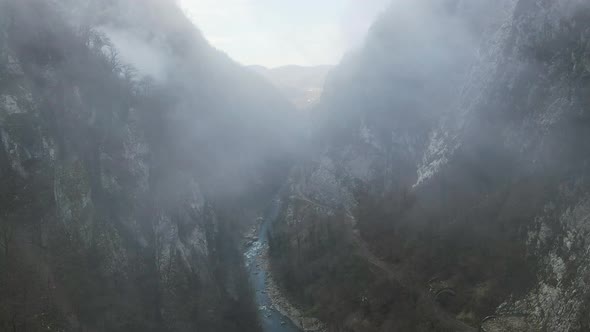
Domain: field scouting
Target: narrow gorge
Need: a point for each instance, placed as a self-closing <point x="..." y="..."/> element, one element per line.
<point x="436" y="179"/>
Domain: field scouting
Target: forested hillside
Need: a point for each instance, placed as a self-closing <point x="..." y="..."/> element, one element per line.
<point x="444" y="185"/>
<point x="450" y="177"/>
<point x="128" y="145"/>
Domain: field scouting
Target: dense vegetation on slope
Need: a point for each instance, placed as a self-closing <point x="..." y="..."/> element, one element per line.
<point x="120" y="193"/>
<point x="461" y="164"/>
<point x="448" y="180"/>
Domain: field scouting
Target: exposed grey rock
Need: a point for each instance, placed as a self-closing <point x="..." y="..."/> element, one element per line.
<point x="495" y="153"/>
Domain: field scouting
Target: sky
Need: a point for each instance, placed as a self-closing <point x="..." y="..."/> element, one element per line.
<point x="275" y="33"/>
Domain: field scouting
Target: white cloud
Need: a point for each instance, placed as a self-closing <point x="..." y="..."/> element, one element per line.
<point x="147" y="59"/>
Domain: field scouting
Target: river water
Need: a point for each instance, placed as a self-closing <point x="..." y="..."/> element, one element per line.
<point x="272" y="320"/>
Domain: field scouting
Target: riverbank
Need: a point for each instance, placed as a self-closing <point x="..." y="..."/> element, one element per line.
<point x="278" y="314"/>
<point x="280" y="302"/>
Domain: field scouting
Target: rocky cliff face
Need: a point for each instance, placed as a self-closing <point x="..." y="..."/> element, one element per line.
<point x="115" y="215"/>
<point x="459" y="154"/>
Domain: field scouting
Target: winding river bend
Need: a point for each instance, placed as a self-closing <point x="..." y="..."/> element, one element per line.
<point x="271" y="319"/>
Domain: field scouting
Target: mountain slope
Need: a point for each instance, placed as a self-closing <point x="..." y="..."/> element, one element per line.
<point x="128" y="145"/>
<point x="456" y="149"/>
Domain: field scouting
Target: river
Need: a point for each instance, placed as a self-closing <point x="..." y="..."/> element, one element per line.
<point x="272" y="320"/>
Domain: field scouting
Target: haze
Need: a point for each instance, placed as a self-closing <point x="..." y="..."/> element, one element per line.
<point x="276" y="33"/>
<point x="294" y="166"/>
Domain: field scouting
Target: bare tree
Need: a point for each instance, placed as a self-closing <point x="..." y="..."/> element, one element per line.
<point x="114" y="59"/>
<point x="85" y="33"/>
<point x="6" y="235"/>
<point x="129" y="72"/>
<point x="145" y="86"/>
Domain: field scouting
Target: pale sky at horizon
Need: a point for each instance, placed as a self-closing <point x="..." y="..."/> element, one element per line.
<point x="274" y="33"/>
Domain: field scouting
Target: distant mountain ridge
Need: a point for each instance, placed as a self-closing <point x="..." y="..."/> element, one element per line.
<point x="303" y="86"/>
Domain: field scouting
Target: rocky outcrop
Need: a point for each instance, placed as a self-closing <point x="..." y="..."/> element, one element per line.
<point x="119" y="169"/>
<point x="460" y="152"/>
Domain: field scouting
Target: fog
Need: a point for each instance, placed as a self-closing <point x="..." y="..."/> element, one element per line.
<point x="149" y="181"/>
<point x="148" y="60"/>
<point x="280" y="33"/>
